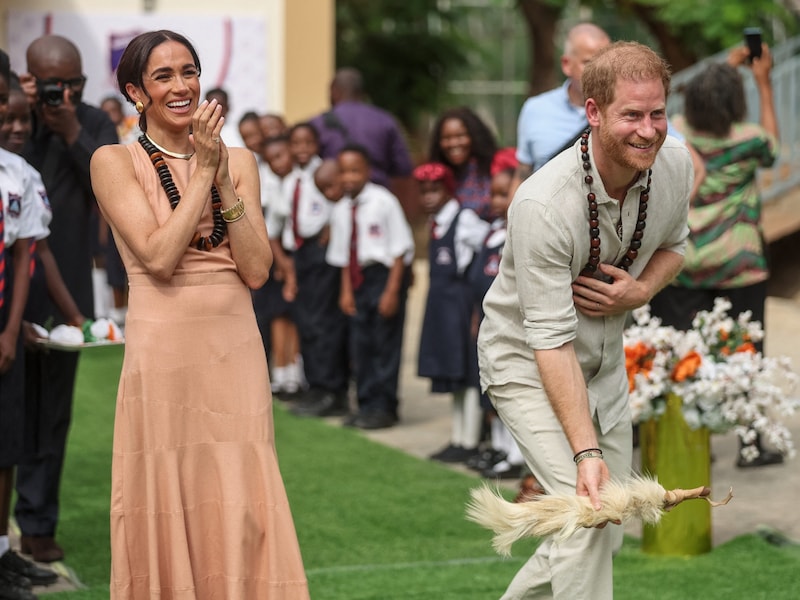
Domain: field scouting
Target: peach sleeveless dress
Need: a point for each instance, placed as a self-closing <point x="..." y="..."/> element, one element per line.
<point x="198" y="507"/>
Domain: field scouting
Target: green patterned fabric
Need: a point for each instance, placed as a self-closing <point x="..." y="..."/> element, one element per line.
<point x="726" y="245"/>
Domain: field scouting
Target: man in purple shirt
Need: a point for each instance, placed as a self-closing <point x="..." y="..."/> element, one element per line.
<point x="351" y="120"/>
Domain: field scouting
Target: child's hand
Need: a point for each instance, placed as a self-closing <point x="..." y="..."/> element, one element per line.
<point x="324" y="236"/>
<point x="289" y="290"/>
<point x="388" y="304"/>
<point x="347" y="303"/>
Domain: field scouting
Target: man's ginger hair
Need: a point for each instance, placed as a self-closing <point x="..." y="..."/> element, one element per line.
<point x="628" y="61"/>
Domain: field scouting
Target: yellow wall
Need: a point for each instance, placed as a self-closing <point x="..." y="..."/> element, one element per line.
<point x="300" y="34"/>
<point x="310" y="59"/>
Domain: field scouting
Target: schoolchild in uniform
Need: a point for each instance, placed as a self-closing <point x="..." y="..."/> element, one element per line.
<point x="19" y="223"/>
<point x="371" y="243"/>
<point x="447" y="349"/>
<point x="303" y="217"/>
<point x="503" y="460"/>
<point x="273" y="307"/>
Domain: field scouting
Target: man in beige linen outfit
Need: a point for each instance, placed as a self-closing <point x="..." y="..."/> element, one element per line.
<point x="550" y="346"/>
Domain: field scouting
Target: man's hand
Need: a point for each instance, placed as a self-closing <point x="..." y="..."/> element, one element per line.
<point x="592" y="476"/>
<point x="596" y="298"/>
<point x="62" y="119"/>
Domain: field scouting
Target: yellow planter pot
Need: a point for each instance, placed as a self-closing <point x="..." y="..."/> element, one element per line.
<point x="681" y="458"/>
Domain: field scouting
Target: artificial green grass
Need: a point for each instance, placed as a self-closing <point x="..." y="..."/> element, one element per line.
<point x="376" y="524"/>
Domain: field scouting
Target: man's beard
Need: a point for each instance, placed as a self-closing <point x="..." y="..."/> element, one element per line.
<point x="620" y="152"/>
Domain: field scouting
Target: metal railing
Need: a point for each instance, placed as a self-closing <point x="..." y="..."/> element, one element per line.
<point x="784" y="175"/>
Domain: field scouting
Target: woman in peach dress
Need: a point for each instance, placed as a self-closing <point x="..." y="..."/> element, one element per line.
<point x="198" y="507"/>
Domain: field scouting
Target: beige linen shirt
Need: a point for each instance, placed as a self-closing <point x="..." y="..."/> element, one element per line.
<point x="529" y="305"/>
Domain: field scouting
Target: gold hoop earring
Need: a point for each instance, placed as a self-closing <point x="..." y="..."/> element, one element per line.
<point x="139" y="106"/>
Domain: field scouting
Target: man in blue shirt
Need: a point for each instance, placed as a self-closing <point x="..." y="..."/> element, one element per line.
<point x="551" y="120"/>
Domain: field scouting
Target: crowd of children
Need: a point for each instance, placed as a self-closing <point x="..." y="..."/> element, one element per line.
<point x="333" y="312"/>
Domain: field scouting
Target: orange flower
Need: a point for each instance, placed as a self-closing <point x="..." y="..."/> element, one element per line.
<point x="638" y="359"/>
<point x="687" y="366"/>
<point x="747" y="347"/>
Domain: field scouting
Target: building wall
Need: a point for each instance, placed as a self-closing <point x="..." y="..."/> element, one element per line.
<point x="299" y="34"/>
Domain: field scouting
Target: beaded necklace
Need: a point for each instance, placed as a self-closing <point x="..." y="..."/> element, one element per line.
<point x="198" y="241"/>
<point x="594" y="219"/>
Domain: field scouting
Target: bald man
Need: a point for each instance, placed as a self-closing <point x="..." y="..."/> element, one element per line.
<point x="66" y="132"/>
<point x="551" y="120"/>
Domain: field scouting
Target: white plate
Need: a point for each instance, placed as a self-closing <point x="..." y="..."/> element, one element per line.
<point x="77" y="347"/>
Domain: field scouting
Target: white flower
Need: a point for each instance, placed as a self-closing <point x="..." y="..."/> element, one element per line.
<point x="732" y="387"/>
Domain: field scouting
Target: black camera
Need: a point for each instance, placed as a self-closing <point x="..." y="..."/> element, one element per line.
<point x="50" y="93"/>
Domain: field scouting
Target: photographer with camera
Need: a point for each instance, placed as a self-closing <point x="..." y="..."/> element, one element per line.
<point x="66" y="132"/>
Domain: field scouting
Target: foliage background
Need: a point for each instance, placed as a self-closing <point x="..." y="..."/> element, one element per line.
<point x="421" y="56"/>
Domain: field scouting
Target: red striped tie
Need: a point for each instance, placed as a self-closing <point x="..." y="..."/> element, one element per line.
<point x="356" y="275"/>
<point x="298" y="241"/>
<point x="32" y="252"/>
<point x="2" y="254"/>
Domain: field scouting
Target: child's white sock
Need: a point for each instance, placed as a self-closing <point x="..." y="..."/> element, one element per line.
<point x="278" y="379"/>
<point x="291" y="382"/>
<point x="496" y="430"/>
<point x="513" y="453"/>
<point x="299" y="369"/>
<point x="457" y="433"/>
<point x="473" y="416"/>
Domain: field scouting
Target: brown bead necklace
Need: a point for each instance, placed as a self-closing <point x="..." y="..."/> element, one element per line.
<point x="594" y="219"/>
<point x="198" y="241"/>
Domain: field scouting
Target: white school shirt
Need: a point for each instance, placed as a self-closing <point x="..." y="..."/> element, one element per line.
<point x="270" y="188"/>
<point x="383" y="231"/>
<point x="470" y="232"/>
<point x="313" y="209"/>
<point x="497" y="235"/>
<point x="22" y="202"/>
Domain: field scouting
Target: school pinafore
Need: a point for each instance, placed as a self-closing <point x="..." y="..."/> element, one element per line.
<point x="447" y="352"/>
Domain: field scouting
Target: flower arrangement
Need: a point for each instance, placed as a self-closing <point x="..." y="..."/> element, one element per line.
<point x="714" y="368"/>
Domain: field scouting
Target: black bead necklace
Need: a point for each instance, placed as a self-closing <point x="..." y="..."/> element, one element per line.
<point x="198" y="241"/>
<point x="594" y="219"/>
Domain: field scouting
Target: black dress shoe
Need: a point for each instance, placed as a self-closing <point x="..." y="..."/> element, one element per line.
<point x="764" y="458"/>
<point x="455" y="454"/>
<point x="11" y="592"/>
<point x="375" y="420"/>
<point x="485" y="459"/>
<point x="14" y="579"/>
<point x="503" y="470"/>
<point x="328" y="404"/>
<point x="14" y="586"/>
<point x="11" y="561"/>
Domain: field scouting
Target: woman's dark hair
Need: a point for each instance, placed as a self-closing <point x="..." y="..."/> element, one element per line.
<point x="714" y="100"/>
<point x="483" y="143"/>
<point x="134" y="60"/>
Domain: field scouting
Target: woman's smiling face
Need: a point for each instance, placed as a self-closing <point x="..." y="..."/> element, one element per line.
<point x="172" y="81"/>
<point x="455" y="142"/>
